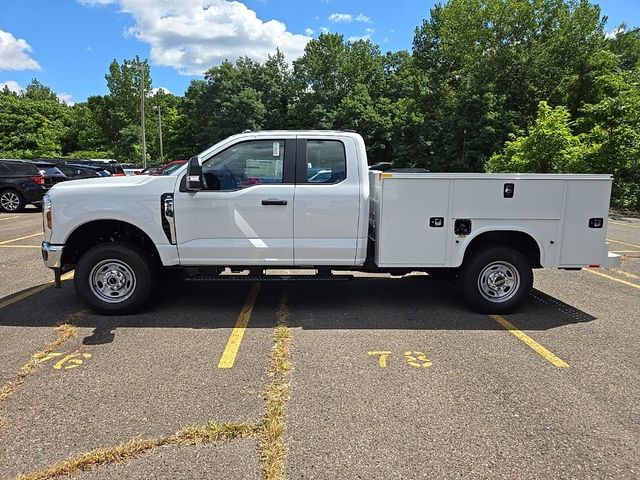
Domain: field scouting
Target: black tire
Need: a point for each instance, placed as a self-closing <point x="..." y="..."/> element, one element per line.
<point x="443" y="273"/>
<point x="487" y="277"/>
<point x="131" y="269"/>
<point x="11" y="201"/>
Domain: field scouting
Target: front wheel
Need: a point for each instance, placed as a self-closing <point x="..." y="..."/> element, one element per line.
<point x="115" y="278"/>
<point x="497" y="280"/>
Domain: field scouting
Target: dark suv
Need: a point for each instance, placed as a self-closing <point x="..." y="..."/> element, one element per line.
<point x="51" y="173"/>
<point x="20" y="183"/>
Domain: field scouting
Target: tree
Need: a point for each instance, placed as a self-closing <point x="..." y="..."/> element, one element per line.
<point x="496" y="60"/>
<point x="31" y="124"/>
<point x="549" y="147"/>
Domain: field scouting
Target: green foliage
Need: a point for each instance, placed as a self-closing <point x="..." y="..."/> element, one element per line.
<point x="549" y="147"/>
<point x="32" y="124"/>
<point x="91" y="154"/>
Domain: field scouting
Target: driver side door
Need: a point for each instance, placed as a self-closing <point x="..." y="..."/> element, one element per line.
<point x="244" y="213"/>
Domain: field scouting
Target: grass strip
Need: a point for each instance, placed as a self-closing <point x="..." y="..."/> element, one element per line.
<point x="270" y="435"/>
<point x="196" y="435"/>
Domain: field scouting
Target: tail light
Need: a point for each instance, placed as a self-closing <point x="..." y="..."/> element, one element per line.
<point x="118" y="175"/>
<point x="38" y="179"/>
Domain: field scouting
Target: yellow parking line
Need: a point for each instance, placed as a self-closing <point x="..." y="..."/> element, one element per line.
<point x="20" y="246"/>
<point x="20" y="238"/>
<point x="228" y="357"/>
<point x="612" y="278"/>
<point x="32" y="291"/>
<point x="23" y="295"/>
<point x="530" y="342"/>
<point x="623" y="243"/>
<point x="2" y="219"/>
<point x="624" y="224"/>
<point x="626" y="274"/>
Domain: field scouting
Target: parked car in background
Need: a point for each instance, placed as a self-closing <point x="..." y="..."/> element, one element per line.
<point x="171" y="169"/>
<point x="131" y="169"/>
<point x="77" y="172"/>
<point x="111" y="166"/>
<point x="50" y="171"/>
<point x="21" y="183"/>
<point x="158" y="170"/>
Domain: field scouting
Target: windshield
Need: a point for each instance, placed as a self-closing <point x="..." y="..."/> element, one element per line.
<point x="51" y="171"/>
<point x="172" y="168"/>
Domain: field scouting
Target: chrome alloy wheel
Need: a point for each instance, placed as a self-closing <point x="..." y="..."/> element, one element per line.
<point x="9" y="201"/>
<point x="499" y="281"/>
<point x="112" y="281"/>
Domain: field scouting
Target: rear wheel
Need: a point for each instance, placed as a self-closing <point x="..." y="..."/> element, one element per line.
<point x="497" y="280"/>
<point x="11" y="201"/>
<point x="115" y="278"/>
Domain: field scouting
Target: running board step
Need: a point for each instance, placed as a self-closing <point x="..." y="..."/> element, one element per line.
<point x="267" y="278"/>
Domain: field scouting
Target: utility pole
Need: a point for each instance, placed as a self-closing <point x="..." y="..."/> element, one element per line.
<point x="144" y="141"/>
<point x="140" y="66"/>
<point x="159" y="109"/>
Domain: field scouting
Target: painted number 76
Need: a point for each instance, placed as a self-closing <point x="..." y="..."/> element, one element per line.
<point x="415" y="359"/>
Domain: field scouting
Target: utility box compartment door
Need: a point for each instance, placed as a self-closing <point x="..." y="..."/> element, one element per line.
<point x="582" y="244"/>
<point x="413" y="221"/>
<point x="485" y="197"/>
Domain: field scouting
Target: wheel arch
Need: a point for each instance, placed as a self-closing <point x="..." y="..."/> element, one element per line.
<point x="96" y="232"/>
<point x="518" y="239"/>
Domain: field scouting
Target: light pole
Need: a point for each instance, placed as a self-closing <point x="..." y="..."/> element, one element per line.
<point x="159" y="109"/>
<point x="140" y="66"/>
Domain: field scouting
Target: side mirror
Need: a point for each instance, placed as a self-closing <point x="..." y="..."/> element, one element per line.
<point x="194" y="175"/>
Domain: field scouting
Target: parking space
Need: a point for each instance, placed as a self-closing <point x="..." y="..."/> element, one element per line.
<point x="392" y="378"/>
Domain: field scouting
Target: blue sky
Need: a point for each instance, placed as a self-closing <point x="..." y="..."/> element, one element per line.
<point x="68" y="44"/>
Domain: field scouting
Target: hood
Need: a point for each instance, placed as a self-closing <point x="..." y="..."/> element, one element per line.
<point x="101" y="182"/>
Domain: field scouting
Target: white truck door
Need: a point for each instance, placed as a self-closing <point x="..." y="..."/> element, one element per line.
<point x="244" y="213"/>
<point x="327" y="201"/>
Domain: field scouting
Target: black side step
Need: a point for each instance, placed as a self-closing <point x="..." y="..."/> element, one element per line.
<point x="267" y="278"/>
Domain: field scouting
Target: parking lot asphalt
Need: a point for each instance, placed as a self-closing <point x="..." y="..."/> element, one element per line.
<point x="392" y="377"/>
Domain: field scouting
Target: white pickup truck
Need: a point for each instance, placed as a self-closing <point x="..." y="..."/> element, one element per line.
<point x="307" y="200"/>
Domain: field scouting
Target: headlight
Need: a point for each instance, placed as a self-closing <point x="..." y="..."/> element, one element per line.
<point x="46" y="211"/>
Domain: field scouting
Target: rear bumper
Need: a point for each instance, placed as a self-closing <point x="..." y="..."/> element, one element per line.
<point x="52" y="255"/>
<point x="34" y="195"/>
<point x="612" y="260"/>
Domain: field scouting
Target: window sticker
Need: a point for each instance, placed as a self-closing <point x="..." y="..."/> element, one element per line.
<point x="276" y="149"/>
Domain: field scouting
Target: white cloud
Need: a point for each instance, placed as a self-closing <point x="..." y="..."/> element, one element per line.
<point x="14" y="53"/>
<point x="160" y="89"/>
<point x="66" y="98"/>
<point x="348" y="18"/>
<point x="308" y="31"/>
<point x="193" y="35"/>
<point x="324" y="30"/>
<point x="367" y="35"/>
<point x="12" y="85"/>
<point x="341" y="18"/>
<point x="614" y="33"/>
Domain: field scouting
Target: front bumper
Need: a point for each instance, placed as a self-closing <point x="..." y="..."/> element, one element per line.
<point x="52" y="255"/>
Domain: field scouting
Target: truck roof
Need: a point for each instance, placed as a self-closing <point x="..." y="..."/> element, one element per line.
<point x="281" y="134"/>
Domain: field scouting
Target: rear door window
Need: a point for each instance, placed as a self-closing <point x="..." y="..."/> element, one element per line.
<point x="326" y="162"/>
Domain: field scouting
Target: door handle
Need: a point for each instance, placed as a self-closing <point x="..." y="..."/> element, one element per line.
<point x="274" y="202"/>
